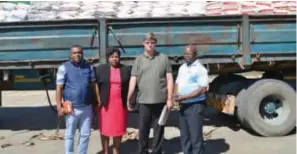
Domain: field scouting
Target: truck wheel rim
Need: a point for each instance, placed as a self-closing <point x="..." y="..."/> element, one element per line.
<point x="273" y="109"/>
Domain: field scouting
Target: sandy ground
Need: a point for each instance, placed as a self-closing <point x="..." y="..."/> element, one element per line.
<point x="25" y="114"/>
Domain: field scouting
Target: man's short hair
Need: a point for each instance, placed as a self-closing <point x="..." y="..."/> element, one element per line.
<point x="150" y="37"/>
<point x="77" y="46"/>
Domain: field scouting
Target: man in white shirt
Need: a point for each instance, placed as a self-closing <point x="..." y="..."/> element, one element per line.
<point x="190" y="87"/>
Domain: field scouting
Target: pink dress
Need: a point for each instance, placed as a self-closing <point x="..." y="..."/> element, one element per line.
<point x="113" y="116"/>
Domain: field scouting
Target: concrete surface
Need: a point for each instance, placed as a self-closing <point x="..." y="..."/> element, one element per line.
<point x="25" y="114"/>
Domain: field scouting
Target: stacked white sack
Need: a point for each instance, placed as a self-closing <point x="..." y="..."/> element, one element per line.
<point x="142" y="9"/>
<point x="213" y="8"/>
<point x="248" y="7"/>
<point x="50" y="10"/>
<point x="284" y="7"/>
<point x="13" y="12"/>
<point x="106" y="9"/>
<point x="69" y="10"/>
<point x="230" y="8"/>
<point x="87" y="10"/>
<point x="43" y="10"/>
<point x="160" y="9"/>
<point x="196" y="8"/>
<point x="264" y="7"/>
<point x="125" y="9"/>
<point x="178" y="9"/>
<point x="251" y="7"/>
<point x="3" y="13"/>
<point x="292" y="7"/>
<point x="223" y="8"/>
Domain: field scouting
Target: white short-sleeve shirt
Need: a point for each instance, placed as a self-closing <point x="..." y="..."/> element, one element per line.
<point x="189" y="78"/>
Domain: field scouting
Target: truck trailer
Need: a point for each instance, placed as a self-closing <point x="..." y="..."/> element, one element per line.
<point x="227" y="45"/>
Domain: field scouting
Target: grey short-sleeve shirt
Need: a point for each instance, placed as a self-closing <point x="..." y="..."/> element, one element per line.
<point x="150" y="73"/>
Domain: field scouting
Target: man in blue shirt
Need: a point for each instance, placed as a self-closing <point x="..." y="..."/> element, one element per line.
<point x="73" y="80"/>
<point x="190" y="87"/>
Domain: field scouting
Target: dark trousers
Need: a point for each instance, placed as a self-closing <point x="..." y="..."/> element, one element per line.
<point x="149" y="114"/>
<point x="191" y="128"/>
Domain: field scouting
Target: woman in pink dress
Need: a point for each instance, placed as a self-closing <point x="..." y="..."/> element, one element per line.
<point x="113" y="80"/>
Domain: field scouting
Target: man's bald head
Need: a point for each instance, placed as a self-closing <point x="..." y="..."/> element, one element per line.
<point x="190" y="54"/>
<point x="191" y="48"/>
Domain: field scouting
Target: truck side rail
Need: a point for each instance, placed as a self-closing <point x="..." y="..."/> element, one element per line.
<point x="45" y="44"/>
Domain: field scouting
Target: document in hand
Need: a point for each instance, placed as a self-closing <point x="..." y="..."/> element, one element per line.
<point x="164" y="116"/>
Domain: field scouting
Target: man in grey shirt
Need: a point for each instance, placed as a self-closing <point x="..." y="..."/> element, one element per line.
<point x="152" y="73"/>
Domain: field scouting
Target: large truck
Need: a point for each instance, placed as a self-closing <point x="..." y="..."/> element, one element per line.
<point x="227" y="45"/>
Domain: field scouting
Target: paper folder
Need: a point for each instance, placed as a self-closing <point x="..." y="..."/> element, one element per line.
<point x="164" y="116"/>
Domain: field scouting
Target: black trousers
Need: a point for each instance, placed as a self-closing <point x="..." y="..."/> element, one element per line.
<point x="191" y="127"/>
<point x="149" y="115"/>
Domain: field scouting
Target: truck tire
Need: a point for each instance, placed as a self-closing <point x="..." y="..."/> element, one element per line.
<point x="269" y="108"/>
<point x="239" y="100"/>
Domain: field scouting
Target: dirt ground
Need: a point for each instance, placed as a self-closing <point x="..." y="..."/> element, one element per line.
<point x="25" y="114"/>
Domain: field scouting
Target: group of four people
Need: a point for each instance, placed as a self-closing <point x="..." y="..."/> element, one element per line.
<point x="114" y="85"/>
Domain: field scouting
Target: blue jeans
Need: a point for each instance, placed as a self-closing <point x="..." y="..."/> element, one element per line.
<point x="191" y="126"/>
<point x="81" y="117"/>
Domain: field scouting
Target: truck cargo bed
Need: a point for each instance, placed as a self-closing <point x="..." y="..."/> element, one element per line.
<point x="224" y="40"/>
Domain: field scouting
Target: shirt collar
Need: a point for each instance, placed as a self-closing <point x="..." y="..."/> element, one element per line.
<point x="146" y="56"/>
<point x="78" y="64"/>
<point x="195" y="63"/>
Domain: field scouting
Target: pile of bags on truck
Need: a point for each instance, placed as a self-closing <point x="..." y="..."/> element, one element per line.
<point x="59" y="10"/>
<point x="52" y="10"/>
<point x="43" y="10"/>
<point x="251" y="7"/>
<point x="13" y="11"/>
<point x="160" y="9"/>
<point x="71" y="10"/>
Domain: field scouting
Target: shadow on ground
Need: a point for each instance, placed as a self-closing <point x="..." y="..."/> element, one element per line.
<point x="172" y="146"/>
<point x="212" y="118"/>
<point x="43" y="118"/>
<point x="27" y="118"/>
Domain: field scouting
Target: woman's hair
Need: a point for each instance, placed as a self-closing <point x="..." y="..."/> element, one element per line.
<point x="111" y="51"/>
